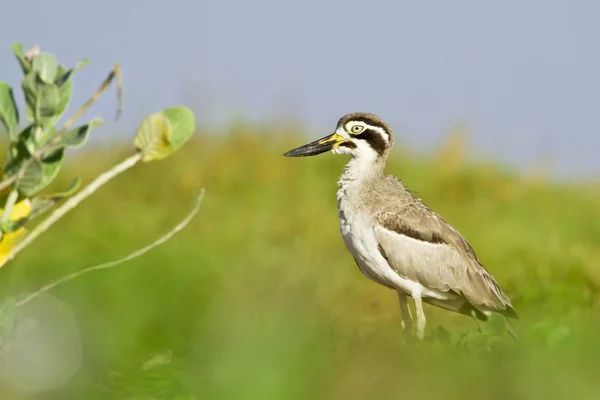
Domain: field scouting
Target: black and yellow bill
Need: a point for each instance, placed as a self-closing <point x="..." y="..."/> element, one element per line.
<point x="319" y="146"/>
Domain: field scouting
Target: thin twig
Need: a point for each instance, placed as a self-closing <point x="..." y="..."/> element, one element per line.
<point x="10" y="202"/>
<point x="119" y="77"/>
<point x="110" y="264"/>
<point x="74" y="201"/>
<point x="9" y="181"/>
<point x="115" y="72"/>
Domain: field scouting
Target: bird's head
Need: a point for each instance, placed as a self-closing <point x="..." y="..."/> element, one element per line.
<point x="360" y="134"/>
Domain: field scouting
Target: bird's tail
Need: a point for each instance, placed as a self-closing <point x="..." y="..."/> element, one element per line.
<point x="511" y="329"/>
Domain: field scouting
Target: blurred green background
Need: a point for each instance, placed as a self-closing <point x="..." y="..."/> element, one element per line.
<point x="258" y="298"/>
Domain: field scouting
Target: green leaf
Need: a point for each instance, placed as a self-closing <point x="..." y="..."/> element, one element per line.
<point x="40" y="173"/>
<point x="46" y="67"/>
<point x="183" y="123"/>
<point x="32" y="175"/>
<point x="41" y="136"/>
<point x="497" y="325"/>
<point x="41" y="204"/>
<point x="17" y="48"/>
<point x="42" y="99"/>
<point x="17" y="153"/>
<point x="26" y="144"/>
<point x="65" y="85"/>
<point x="11" y="226"/>
<point x="76" y="137"/>
<point x="153" y="137"/>
<point x="64" y="76"/>
<point x="73" y="138"/>
<point x="65" y="88"/>
<point x="9" y="113"/>
<point x="164" y="132"/>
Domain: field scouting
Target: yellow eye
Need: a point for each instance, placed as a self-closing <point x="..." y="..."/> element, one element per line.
<point x="357" y="129"/>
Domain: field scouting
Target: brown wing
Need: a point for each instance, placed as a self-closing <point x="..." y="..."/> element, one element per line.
<point x="420" y="245"/>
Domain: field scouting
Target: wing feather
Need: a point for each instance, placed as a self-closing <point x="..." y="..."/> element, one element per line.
<point x="420" y="245"/>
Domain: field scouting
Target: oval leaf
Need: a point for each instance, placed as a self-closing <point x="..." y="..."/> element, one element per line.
<point x="183" y="123"/>
<point x="65" y="85"/>
<point x="18" y="49"/>
<point x="40" y="173"/>
<point x="17" y="153"/>
<point x="64" y="75"/>
<point x="17" y="218"/>
<point x="31" y="177"/>
<point x="153" y="138"/>
<point x="9" y="113"/>
<point x="65" y="90"/>
<point x="46" y="67"/>
<point x="163" y="133"/>
<point x="41" y="99"/>
<point x="76" y="137"/>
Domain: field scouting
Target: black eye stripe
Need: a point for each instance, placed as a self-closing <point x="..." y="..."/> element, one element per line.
<point x="375" y="140"/>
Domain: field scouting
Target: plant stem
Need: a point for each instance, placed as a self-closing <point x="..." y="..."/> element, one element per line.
<point x="111" y="264"/>
<point x="74" y="201"/>
<point x="8" y="182"/>
<point x="10" y="202"/>
<point x="115" y="72"/>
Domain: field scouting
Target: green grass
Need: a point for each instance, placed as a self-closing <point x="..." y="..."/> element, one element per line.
<point x="258" y="298"/>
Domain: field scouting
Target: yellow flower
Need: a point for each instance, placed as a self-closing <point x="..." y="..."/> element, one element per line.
<point x="9" y="240"/>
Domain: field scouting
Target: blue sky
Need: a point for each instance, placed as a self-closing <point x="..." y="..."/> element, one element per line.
<point x="522" y="76"/>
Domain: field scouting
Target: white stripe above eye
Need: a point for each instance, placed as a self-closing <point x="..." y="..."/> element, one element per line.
<point x="347" y="129"/>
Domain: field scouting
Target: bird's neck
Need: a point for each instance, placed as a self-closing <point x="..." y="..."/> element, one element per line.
<point x="360" y="170"/>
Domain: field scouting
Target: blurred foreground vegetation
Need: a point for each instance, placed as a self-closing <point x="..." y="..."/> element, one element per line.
<point x="258" y="298"/>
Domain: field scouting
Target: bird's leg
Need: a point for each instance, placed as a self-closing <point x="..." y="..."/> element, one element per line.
<point x="406" y="316"/>
<point x="421" y="320"/>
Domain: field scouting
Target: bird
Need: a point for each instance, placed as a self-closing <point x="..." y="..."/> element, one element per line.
<point x="396" y="240"/>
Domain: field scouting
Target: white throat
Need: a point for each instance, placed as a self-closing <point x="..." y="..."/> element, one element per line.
<point x="357" y="171"/>
<point x="365" y="162"/>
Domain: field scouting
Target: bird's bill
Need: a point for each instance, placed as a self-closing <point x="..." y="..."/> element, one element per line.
<point x="317" y="147"/>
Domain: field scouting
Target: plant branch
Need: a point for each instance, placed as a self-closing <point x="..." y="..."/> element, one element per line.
<point x="114" y="73"/>
<point x="110" y="264"/>
<point x="74" y="201"/>
<point x="10" y="202"/>
<point x="9" y="181"/>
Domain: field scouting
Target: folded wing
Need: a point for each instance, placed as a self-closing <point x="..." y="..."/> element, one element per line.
<point x="421" y="246"/>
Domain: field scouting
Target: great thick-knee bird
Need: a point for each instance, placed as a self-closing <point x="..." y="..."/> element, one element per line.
<point x="395" y="239"/>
